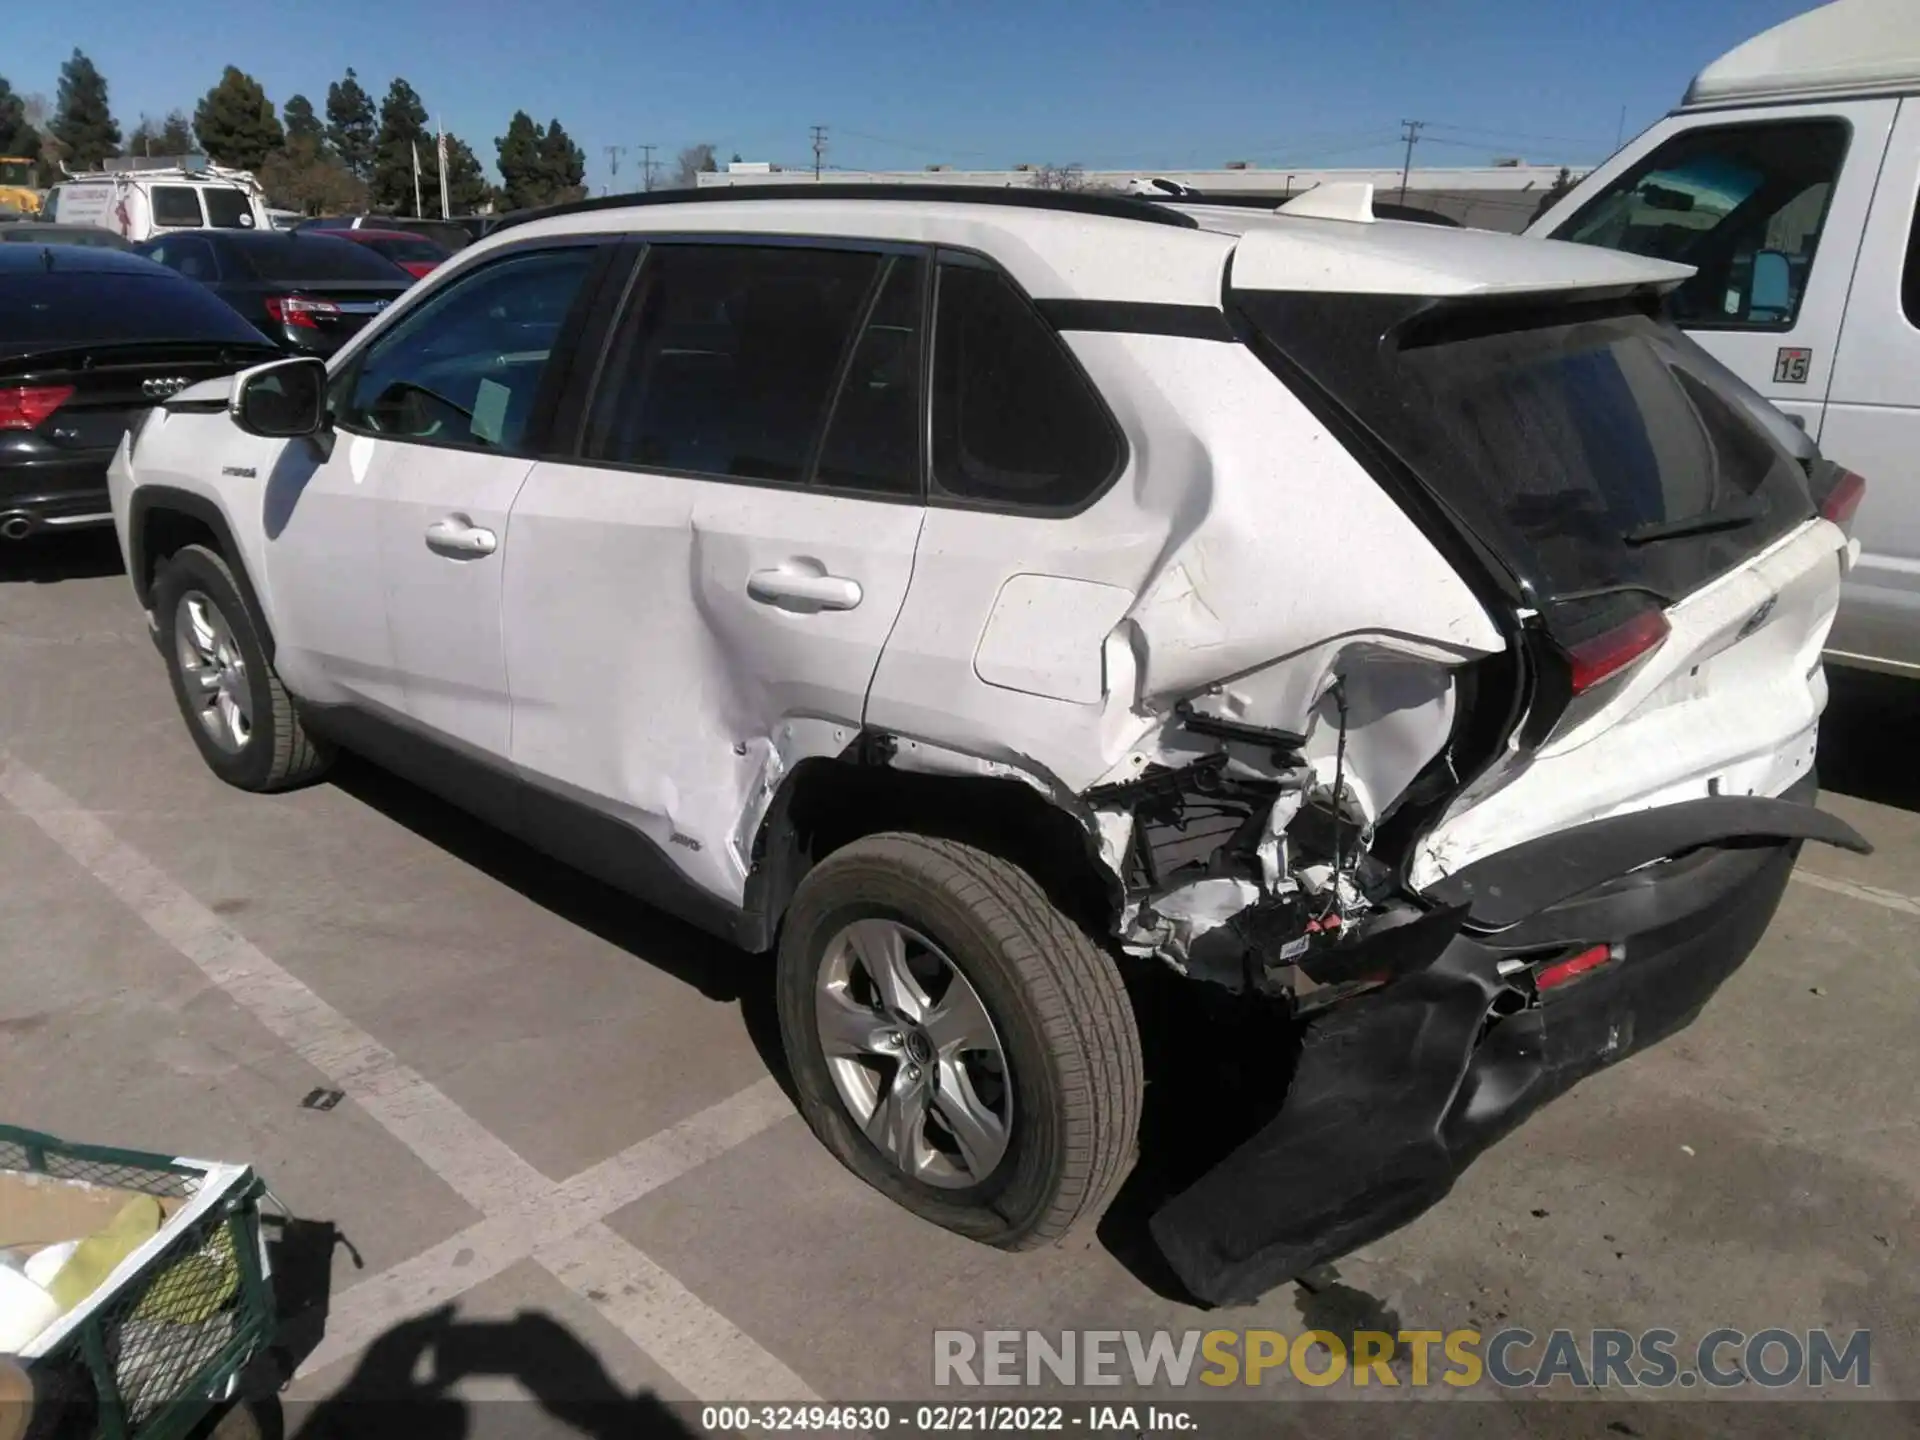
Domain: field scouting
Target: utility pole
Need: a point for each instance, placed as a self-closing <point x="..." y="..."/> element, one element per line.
<point x="614" y="152"/>
<point x="1413" y="129"/>
<point x="647" y="164"/>
<point x="819" y="148"/>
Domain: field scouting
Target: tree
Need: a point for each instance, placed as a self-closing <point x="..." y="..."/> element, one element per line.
<point x="350" y="125"/>
<point x="523" y="179"/>
<point x="236" y="122"/>
<point x="564" y="164"/>
<point x="403" y="124"/>
<point x="18" y="136"/>
<point x="83" y="123"/>
<point x="1562" y="183"/>
<point x="692" y="162"/>
<point x="736" y="158"/>
<point x="302" y="125"/>
<point x="303" y="177"/>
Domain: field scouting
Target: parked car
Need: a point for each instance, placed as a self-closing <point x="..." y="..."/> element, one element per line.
<point x="140" y="203"/>
<point x="91" y="339"/>
<point x="415" y="254"/>
<point x="1786" y="178"/>
<point x="37" y="232"/>
<point x="450" y="234"/>
<point x="304" y="291"/>
<point x="957" y="593"/>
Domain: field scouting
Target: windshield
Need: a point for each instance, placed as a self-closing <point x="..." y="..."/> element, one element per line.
<point x="301" y="255"/>
<point x="1590" y="447"/>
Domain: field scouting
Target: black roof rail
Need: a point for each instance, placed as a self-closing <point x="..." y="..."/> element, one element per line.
<point x="1115" y="207"/>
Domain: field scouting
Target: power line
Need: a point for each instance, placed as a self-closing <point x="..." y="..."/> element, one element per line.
<point x="648" y="164"/>
<point x="1412" y="136"/>
<point x="614" y="152"/>
<point x="1507" y="134"/>
<point x="819" y="148"/>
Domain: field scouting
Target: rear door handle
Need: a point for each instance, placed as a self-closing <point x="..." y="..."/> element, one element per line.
<point x="798" y="590"/>
<point x="459" y="538"/>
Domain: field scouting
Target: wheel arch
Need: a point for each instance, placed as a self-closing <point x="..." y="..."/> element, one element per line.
<point x="161" y="520"/>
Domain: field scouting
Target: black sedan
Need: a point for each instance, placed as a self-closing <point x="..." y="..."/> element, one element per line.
<point x="89" y="340"/>
<point x="306" y="291"/>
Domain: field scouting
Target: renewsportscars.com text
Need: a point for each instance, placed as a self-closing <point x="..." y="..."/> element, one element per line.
<point x="1512" y="1358"/>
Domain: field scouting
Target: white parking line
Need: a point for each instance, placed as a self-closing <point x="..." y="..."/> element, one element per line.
<point x="526" y="1214"/>
<point x="1872" y="894"/>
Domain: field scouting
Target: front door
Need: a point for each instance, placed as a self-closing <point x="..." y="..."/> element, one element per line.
<point x="449" y="401"/>
<point x="730" y="550"/>
<point x="1769" y="208"/>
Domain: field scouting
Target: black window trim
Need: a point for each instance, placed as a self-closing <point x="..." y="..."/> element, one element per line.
<point x="1643" y="167"/>
<point x="537" y="444"/>
<point x="580" y="407"/>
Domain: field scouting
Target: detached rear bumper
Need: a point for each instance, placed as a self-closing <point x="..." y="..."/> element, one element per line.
<point x="1396" y="1092"/>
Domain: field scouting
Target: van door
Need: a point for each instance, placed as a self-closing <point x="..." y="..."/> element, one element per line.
<point x="1873" y="418"/>
<point x="1768" y="205"/>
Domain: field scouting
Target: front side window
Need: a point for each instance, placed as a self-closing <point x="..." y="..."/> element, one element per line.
<point x="465" y="367"/>
<point x="1743" y="204"/>
<point x="1015" y="422"/>
<point x="727" y="360"/>
<point x="176" y="205"/>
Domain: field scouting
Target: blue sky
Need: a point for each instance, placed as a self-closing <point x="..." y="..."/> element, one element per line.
<point x="1151" y="85"/>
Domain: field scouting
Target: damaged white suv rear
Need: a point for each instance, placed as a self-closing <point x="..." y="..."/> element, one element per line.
<point x="959" y="595"/>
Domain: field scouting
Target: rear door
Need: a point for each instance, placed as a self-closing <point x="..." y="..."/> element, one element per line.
<point x="1769" y="205"/>
<point x="730" y="549"/>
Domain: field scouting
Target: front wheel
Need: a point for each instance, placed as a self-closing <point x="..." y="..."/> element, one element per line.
<point x="236" y="709"/>
<point x="956" y="1041"/>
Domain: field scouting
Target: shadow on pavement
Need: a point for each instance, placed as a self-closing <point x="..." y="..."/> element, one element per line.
<point x="1868" y="737"/>
<point x="404" y="1386"/>
<point x="49" y="559"/>
<point x="714" y="968"/>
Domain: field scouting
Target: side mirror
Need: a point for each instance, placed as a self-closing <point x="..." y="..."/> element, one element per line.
<point x="281" y="399"/>
<point x="1770" y="292"/>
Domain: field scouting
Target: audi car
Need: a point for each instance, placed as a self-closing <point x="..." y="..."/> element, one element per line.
<point x="93" y="339"/>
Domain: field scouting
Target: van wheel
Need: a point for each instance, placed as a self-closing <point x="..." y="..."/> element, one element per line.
<point x="236" y="709"/>
<point x="956" y="1041"/>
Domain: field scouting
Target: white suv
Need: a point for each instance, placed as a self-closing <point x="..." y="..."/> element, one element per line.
<point x="962" y="594"/>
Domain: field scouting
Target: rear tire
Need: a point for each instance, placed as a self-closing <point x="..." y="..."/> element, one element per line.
<point x="236" y="709"/>
<point x="1059" y="1019"/>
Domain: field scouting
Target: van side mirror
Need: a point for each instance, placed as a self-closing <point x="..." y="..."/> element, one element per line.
<point x="1770" y="291"/>
<point x="281" y="399"/>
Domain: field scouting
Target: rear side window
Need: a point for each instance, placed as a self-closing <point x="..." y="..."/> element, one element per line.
<point x="175" y="205"/>
<point x="464" y="368"/>
<point x="1744" y="204"/>
<point x="727" y="359"/>
<point x="1015" y="422"/>
<point x="293" y="256"/>
<point x="80" y="306"/>
<point x="228" y="209"/>
<point x="1910" y="278"/>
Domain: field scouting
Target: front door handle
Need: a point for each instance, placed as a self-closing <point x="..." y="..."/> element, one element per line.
<point x="802" y="591"/>
<point x="459" y="538"/>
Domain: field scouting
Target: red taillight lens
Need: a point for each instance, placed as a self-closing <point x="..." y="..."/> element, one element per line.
<point x="1612" y="651"/>
<point x="23" y="407"/>
<point x="419" y="269"/>
<point x="1572" y="968"/>
<point x="298" y="310"/>
<point x="1844" y="498"/>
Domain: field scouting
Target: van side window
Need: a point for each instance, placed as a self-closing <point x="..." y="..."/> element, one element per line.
<point x="228" y="209"/>
<point x="176" y="205"/>
<point x="1744" y="204"/>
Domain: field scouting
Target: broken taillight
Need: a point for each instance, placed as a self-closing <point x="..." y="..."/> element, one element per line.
<point x="298" y="310"/>
<point x="23" y="407"/>
<point x="1611" y="651"/>
<point x="1574" y="966"/>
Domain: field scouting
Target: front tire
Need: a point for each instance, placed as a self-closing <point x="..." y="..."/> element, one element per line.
<point x="956" y="1041"/>
<point x="236" y="709"/>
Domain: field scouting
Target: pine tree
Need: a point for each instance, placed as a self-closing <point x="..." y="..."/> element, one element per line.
<point x="350" y="125"/>
<point x="302" y="125"/>
<point x="83" y="123"/>
<point x="403" y="124"/>
<point x="523" y="181"/>
<point x="18" y="138"/>
<point x="236" y="122"/>
<point x="176" y="135"/>
<point x="563" y="163"/>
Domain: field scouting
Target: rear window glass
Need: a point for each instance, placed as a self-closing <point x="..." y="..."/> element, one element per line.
<point x="175" y="205"/>
<point x="228" y="209"/>
<point x="412" y="248"/>
<point x="82" y="306"/>
<point x="1589" y="447"/>
<point x="303" y="255"/>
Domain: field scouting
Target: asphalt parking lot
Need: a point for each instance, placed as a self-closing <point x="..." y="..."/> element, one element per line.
<point x="565" y="1166"/>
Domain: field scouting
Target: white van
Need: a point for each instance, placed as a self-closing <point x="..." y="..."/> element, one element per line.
<point x="142" y="203"/>
<point x="1788" y="178"/>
